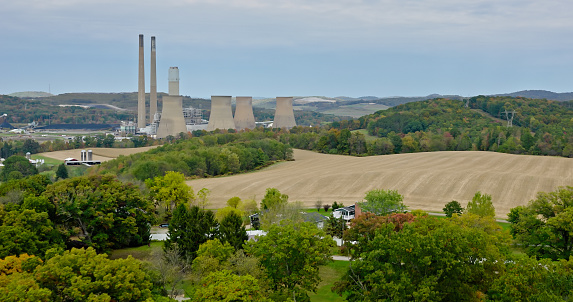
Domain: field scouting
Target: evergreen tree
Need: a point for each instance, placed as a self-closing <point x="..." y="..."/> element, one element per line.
<point x="62" y="172"/>
<point x="233" y="231"/>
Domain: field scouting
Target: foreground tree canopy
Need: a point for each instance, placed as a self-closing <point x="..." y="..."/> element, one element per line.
<point x="545" y="226"/>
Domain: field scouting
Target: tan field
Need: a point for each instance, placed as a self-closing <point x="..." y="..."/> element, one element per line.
<point x="102" y="154"/>
<point x="426" y="180"/>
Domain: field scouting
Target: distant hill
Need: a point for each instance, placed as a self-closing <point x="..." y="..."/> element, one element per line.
<point x="541" y="94"/>
<point x="31" y="94"/>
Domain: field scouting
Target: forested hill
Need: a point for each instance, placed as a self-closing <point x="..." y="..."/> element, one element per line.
<point x="209" y="155"/>
<point x="540" y="127"/>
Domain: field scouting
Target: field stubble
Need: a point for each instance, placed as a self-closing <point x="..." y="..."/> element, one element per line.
<point x="426" y="180"/>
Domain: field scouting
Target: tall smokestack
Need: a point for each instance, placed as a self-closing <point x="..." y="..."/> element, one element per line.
<point x="172" y="121"/>
<point x="244" y="118"/>
<point x="221" y="113"/>
<point x="284" y="114"/>
<point x="141" y="88"/>
<point x="153" y="84"/>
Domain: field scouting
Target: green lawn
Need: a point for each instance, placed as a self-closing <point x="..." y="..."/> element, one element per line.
<point x="47" y="160"/>
<point x="329" y="274"/>
<point x="366" y="135"/>
<point x="143" y="253"/>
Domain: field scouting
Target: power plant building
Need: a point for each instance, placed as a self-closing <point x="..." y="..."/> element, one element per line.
<point x="172" y="121"/>
<point x="284" y="114"/>
<point x="244" y="117"/>
<point x="221" y="113"/>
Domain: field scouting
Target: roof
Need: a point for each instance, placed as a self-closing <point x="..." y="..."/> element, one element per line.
<point x="314" y="217"/>
<point x="348" y="208"/>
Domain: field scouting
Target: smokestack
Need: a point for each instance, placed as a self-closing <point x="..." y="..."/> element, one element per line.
<point x="141" y="88"/>
<point x="284" y="114"/>
<point x="153" y="84"/>
<point x="172" y="121"/>
<point x="173" y="81"/>
<point x="221" y="113"/>
<point x="244" y="118"/>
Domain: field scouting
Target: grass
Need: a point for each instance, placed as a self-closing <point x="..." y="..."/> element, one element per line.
<point x="143" y="253"/>
<point x="47" y="160"/>
<point x="368" y="137"/>
<point x="329" y="274"/>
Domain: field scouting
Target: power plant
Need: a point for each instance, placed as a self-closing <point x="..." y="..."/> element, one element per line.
<point x="221" y="113"/>
<point x="244" y="117"/>
<point x="141" y="88"/>
<point x="152" y="84"/>
<point x="172" y="121"/>
<point x="284" y="114"/>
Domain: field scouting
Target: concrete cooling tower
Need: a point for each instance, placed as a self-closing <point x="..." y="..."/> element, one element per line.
<point x="284" y="114"/>
<point x="141" y="88"/>
<point x="244" y="118"/>
<point x="221" y="113"/>
<point x="172" y="121"/>
<point x="152" y="84"/>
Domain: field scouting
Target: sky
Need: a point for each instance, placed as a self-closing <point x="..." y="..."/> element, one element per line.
<point x="268" y="48"/>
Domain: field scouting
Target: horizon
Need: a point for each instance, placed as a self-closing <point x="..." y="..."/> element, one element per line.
<point x="254" y="47"/>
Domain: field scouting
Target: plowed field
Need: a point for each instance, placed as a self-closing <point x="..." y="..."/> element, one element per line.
<point x="426" y="180"/>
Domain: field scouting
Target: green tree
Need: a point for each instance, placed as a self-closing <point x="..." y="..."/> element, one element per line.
<point x="427" y="260"/>
<point x="203" y="197"/>
<point x="529" y="279"/>
<point x="189" y="228"/>
<point x="335" y="227"/>
<point x="545" y="226"/>
<point x="170" y="190"/>
<point x="109" y="213"/>
<point x="383" y="202"/>
<point x="84" y="275"/>
<point x="16" y="163"/>
<point x="273" y="198"/>
<point x="453" y="207"/>
<point x="291" y="255"/>
<point x="232" y="230"/>
<point x="62" y="172"/>
<point x="228" y="287"/>
<point x="234" y="202"/>
<point x="481" y="205"/>
<point x="212" y="256"/>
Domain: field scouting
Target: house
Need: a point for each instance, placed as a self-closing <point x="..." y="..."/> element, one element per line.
<point x="315" y="218"/>
<point x="347" y="213"/>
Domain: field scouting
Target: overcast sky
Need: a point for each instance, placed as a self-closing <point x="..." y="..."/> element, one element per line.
<point x="297" y="47"/>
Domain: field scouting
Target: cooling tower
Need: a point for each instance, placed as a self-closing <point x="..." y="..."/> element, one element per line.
<point x="221" y="113"/>
<point x="141" y="88"/>
<point x="152" y="84"/>
<point x="284" y="114"/>
<point x="172" y="121"/>
<point x="244" y="118"/>
<point x="173" y="81"/>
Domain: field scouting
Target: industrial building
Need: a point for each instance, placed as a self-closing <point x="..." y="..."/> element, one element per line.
<point x="172" y="121"/>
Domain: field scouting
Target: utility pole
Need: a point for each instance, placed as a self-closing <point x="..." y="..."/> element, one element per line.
<point x="509" y="115"/>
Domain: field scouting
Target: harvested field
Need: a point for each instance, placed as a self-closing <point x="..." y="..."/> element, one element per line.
<point x="103" y="154"/>
<point x="427" y="180"/>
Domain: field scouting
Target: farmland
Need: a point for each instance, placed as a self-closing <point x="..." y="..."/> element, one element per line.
<point x="426" y="180"/>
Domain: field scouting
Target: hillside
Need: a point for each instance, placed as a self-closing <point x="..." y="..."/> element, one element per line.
<point x="541" y="94"/>
<point x="427" y="180"/>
